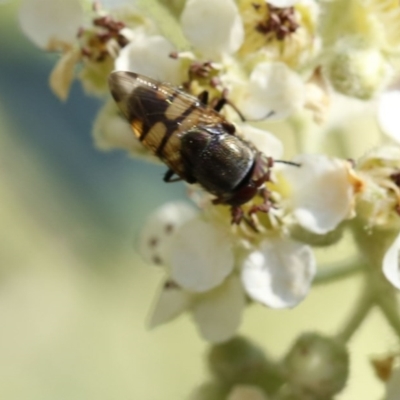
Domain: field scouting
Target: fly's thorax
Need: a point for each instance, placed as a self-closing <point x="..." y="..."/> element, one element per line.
<point x="254" y="180"/>
<point x="218" y="160"/>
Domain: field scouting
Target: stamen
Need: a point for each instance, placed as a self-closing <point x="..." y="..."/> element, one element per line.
<point x="281" y="22"/>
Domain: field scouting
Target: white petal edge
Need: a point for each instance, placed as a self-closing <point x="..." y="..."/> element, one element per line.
<point x="218" y="313"/>
<point x="321" y="191"/>
<point x="388" y="114"/>
<point x="391" y="263"/>
<point x="171" y="302"/>
<point x="150" y="56"/>
<point x="264" y="141"/>
<point x="201" y="256"/>
<point x="157" y="234"/>
<point x="279" y="274"/>
<point x="62" y="75"/>
<point x="282" y="3"/>
<point x="213" y="27"/>
<point x="44" y="21"/>
<point x="274" y="91"/>
<point x="387" y="155"/>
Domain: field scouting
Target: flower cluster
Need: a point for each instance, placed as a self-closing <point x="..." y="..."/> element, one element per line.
<point x="277" y="66"/>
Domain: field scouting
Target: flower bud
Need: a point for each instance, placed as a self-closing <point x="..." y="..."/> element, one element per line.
<point x="210" y="391"/>
<point x="317" y="365"/>
<point x="246" y="392"/>
<point x="241" y="362"/>
<point x="356" y="69"/>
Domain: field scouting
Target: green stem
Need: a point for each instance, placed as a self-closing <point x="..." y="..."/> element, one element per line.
<point x="303" y="134"/>
<point x="387" y="303"/>
<point x="358" y="315"/>
<point x="337" y="271"/>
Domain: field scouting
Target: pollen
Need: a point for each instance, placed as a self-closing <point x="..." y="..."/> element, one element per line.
<point x="266" y="23"/>
<point x="282" y="34"/>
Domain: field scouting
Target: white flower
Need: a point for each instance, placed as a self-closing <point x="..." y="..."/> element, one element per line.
<point x="47" y="21"/>
<point x="158" y="232"/>
<point x="279" y="273"/>
<point x="150" y="56"/>
<point x="379" y="196"/>
<point x="213" y="27"/>
<point x="198" y="255"/>
<point x="201" y="256"/>
<point x="321" y="192"/>
<point x="172" y="301"/>
<point x="273" y="91"/>
<point x="379" y="200"/>
<point x="92" y="39"/>
<point x="217" y="313"/>
<point x="62" y="75"/>
<point x="269" y="89"/>
<point x="388" y="113"/>
<point x="282" y="3"/>
<point x="204" y="275"/>
<point x="264" y="141"/>
<point x="391" y="263"/>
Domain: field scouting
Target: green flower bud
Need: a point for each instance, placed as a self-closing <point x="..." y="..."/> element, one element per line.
<point x="210" y="391"/>
<point x="357" y="69"/>
<point x="239" y="361"/>
<point x="317" y="366"/>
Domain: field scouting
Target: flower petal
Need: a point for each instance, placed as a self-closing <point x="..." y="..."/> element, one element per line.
<point x="388" y="114"/>
<point x="44" y="21"/>
<point x="264" y="141"/>
<point x="201" y="256"/>
<point x="282" y="3"/>
<point x="62" y="75"/>
<point x="172" y="301"/>
<point x="391" y="263"/>
<point x="150" y="56"/>
<point x="213" y="27"/>
<point x="156" y="236"/>
<point x="280" y="273"/>
<point x="321" y="191"/>
<point x="274" y="91"/>
<point x="218" y="313"/>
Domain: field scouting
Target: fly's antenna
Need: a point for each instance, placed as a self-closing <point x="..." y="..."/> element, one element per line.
<point x="293" y="164"/>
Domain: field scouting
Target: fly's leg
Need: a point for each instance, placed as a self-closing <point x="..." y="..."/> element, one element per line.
<point x="218" y="104"/>
<point x="168" y="177"/>
<point x="237" y="214"/>
<point x="265" y="206"/>
<point x="203" y="97"/>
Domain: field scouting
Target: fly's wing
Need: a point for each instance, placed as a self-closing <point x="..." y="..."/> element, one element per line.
<point x="159" y="113"/>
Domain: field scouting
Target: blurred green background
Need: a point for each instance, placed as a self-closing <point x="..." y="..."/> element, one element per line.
<point x="74" y="296"/>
